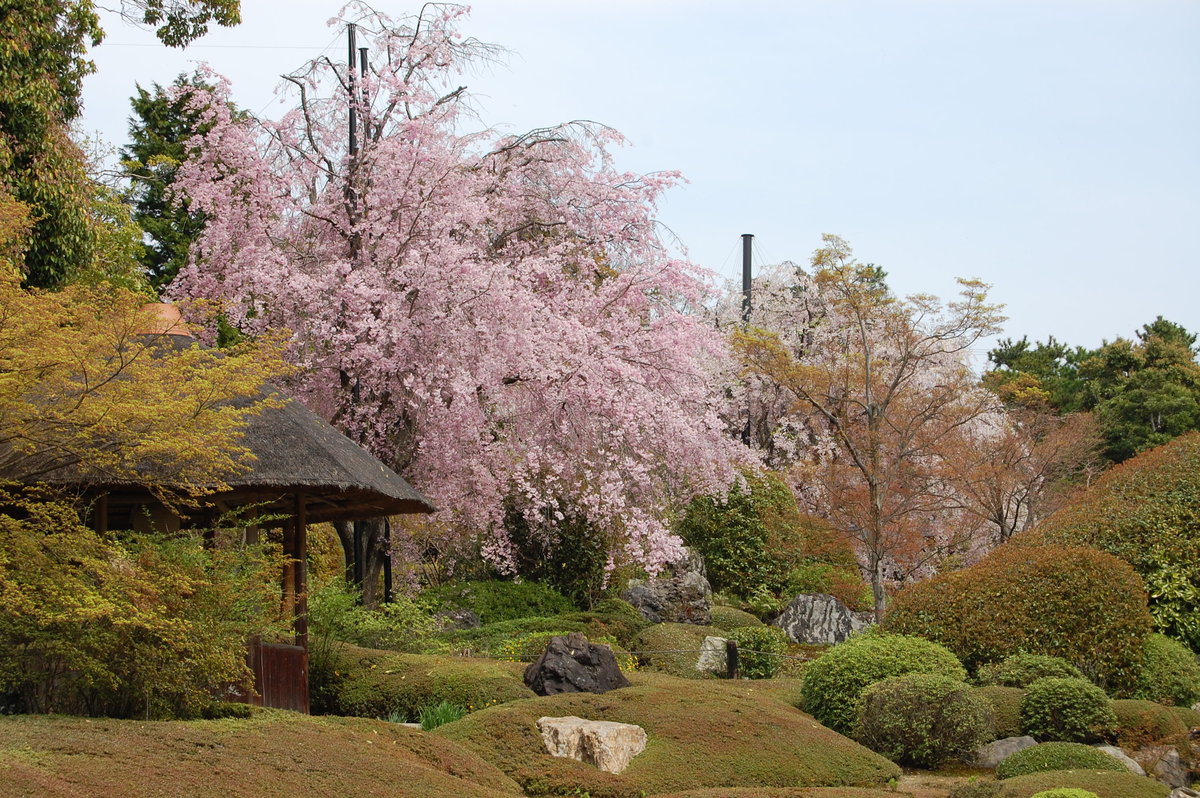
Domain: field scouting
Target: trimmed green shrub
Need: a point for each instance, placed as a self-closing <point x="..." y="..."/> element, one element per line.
<point x="834" y="681"/>
<point x="922" y="719"/>
<point x="1104" y="783"/>
<point x="1057" y="756"/>
<point x="1170" y="673"/>
<point x="730" y="618"/>
<point x="760" y="650"/>
<point x="1142" y="722"/>
<point x="610" y="616"/>
<point x="1189" y="716"/>
<point x="1147" y="512"/>
<point x="1065" y="792"/>
<point x="1083" y="605"/>
<point x="843" y="581"/>
<point x="1068" y="710"/>
<point x="485" y="640"/>
<point x="498" y="600"/>
<point x="1006" y="709"/>
<point x="1022" y="670"/>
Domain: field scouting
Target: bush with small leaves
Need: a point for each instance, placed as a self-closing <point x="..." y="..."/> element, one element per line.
<point x="834" y="681"/>
<point x="1022" y="670"/>
<point x="498" y="600"/>
<point x="1065" y="792"/>
<point x="923" y="719"/>
<point x="1170" y="673"/>
<point x="1141" y="723"/>
<point x="730" y="618"/>
<point x="760" y="650"/>
<point x="1069" y="710"/>
<point x="1057" y="756"/>
<point x="1006" y="709"/>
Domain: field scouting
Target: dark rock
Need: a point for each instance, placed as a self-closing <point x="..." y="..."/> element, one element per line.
<point x="682" y="597"/>
<point x="458" y="619"/>
<point x="571" y="664"/>
<point x="821" y="619"/>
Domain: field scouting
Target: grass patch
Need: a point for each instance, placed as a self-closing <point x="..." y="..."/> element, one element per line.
<point x="701" y="735"/>
<point x="273" y="753"/>
<point x="673" y="648"/>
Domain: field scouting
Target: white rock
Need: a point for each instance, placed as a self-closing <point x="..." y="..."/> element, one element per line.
<point x="712" y="655"/>
<point x="607" y="745"/>
<point x="1123" y="758"/>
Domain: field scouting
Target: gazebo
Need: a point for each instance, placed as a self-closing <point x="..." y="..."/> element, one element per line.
<point x="305" y="471"/>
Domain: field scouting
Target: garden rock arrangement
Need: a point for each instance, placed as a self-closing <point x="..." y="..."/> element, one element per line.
<point x="821" y="619"/>
<point x="997" y="751"/>
<point x="570" y="664"/>
<point x="684" y="596"/>
<point x="607" y="745"/>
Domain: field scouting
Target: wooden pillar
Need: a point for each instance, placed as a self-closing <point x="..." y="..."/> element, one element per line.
<point x="289" y="568"/>
<point x="101" y="513"/>
<point x="300" y="574"/>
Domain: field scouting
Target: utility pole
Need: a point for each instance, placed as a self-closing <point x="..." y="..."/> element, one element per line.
<point x="747" y="287"/>
<point x="351" y="47"/>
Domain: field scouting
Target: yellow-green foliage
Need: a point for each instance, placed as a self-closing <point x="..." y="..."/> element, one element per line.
<point x="80" y="388"/>
<point x="701" y="734"/>
<point x="923" y="719"/>
<point x="1022" y="670"/>
<point x="1006" y="708"/>
<point x="729" y="618"/>
<point x="1105" y="783"/>
<point x="1066" y="792"/>
<point x="1070" y="710"/>
<point x="140" y="626"/>
<point x="1083" y="605"/>
<point x="834" y="681"/>
<point x="376" y="684"/>
<point x="1170" y="673"/>
<point x="303" y="755"/>
<point x="1147" y="512"/>
<point x="673" y="648"/>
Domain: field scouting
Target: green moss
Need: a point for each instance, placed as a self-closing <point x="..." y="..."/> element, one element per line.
<point x="1057" y="756"/>
<point x="673" y="648"/>
<point x="710" y="734"/>
<point x="1105" y="783"/>
<point x="498" y="600"/>
<point x="730" y="618"/>
<point x="1006" y="709"/>
<point x="378" y="684"/>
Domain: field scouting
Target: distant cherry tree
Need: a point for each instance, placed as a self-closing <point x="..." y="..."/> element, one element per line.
<point x="493" y="315"/>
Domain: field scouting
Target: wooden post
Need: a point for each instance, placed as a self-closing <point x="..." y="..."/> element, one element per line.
<point x="731" y="659"/>
<point x="289" y="568"/>
<point x="301" y="573"/>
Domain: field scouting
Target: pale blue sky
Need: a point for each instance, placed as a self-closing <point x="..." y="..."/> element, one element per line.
<point x="1047" y="147"/>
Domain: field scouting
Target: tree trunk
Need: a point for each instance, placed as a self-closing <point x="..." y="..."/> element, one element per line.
<point x="364" y="571"/>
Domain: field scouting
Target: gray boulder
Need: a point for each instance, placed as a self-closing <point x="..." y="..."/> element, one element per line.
<point x="821" y="619"/>
<point x="713" y="655"/>
<point x="570" y="664"/>
<point x="992" y="754"/>
<point x="1122" y="757"/>
<point x="681" y="595"/>
<point x="1164" y="763"/>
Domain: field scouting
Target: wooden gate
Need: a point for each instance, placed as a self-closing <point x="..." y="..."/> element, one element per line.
<point x="280" y="675"/>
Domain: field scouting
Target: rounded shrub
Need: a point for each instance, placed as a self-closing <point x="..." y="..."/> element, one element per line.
<point x="1147" y="512"/>
<point x="1141" y="723"/>
<point x="1082" y="605"/>
<point x="1170" y="673"/>
<point x="730" y="618"/>
<point x="1068" y="710"/>
<point x="922" y="719"/>
<point x="760" y="650"/>
<point x="1006" y="709"/>
<point x="1104" y="783"/>
<point x="1022" y="670"/>
<point x="1057" y="756"/>
<point x="834" y="681"/>
<point x="1065" y="792"/>
<point x="976" y="789"/>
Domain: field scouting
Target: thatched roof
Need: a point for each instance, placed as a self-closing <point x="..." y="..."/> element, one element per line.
<point x="297" y="452"/>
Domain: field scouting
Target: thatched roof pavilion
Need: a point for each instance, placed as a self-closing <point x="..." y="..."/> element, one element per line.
<point x="305" y="470"/>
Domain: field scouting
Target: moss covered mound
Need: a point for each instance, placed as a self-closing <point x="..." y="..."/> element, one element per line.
<point x="787" y="792"/>
<point x="375" y="684"/>
<point x="673" y="648"/>
<point x="730" y="618"/>
<point x="1104" y="783"/>
<point x="701" y="735"/>
<point x="272" y="753"/>
<point x="1143" y="722"/>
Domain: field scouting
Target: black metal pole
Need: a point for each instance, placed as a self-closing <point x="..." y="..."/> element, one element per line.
<point x="351" y="48"/>
<point x="747" y="249"/>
